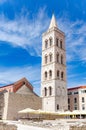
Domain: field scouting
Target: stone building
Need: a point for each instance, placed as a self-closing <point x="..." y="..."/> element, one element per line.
<point x="77" y="98"/>
<point x="16" y="97"/>
<point x="53" y="71"/>
<point x="20" y="95"/>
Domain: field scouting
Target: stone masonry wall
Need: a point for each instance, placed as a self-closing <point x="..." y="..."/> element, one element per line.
<point x="1" y="104"/>
<point x="19" y="102"/>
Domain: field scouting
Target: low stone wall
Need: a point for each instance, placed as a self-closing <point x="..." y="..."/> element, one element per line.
<point x="4" y="126"/>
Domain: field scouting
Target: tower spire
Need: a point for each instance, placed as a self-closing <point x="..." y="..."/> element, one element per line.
<point x="53" y="74"/>
<point x="53" y="22"/>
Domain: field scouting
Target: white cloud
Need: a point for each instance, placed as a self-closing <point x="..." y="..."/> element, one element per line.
<point x="27" y="33"/>
<point x="2" y="1"/>
<point x="24" y="32"/>
<point x="75" y="83"/>
<point x="75" y="38"/>
<point x="75" y="48"/>
<point x="10" y="75"/>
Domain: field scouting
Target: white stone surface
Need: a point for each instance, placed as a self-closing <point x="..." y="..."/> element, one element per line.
<point x="59" y="124"/>
<point x="26" y="127"/>
<point x="53" y="22"/>
<point x="58" y="85"/>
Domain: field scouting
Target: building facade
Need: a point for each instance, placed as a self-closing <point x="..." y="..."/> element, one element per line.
<point x="15" y="86"/>
<point x="53" y="71"/>
<point x="16" y="97"/>
<point x="77" y="98"/>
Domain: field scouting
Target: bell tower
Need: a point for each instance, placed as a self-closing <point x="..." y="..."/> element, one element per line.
<point x="53" y="71"/>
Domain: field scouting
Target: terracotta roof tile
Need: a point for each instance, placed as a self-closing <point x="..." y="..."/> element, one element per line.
<point x="18" y="85"/>
<point x="79" y="87"/>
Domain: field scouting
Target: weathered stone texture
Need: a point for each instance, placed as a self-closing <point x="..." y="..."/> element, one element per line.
<point x="19" y="102"/>
<point x="1" y="104"/>
<point x="4" y="126"/>
<point x="78" y="128"/>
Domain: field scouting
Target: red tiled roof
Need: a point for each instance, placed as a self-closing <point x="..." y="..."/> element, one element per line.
<point x="7" y="85"/>
<point x="18" y="85"/>
<point x="21" y="82"/>
<point x="79" y="87"/>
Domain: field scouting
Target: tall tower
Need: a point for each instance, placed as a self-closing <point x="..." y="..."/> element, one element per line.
<point x="53" y="71"/>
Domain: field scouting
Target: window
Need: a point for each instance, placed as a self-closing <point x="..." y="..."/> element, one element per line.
<point x="83" y="91"/>
<point x="50" y="41"/>
<point x="57" y="57"/>
<point x="45" y="75"/>
<point x="83" y="100"/>
<point x="50" y="57"/>
<point x="62" y="75"/>
<point x="61" y="43"/>
<point x="57" y="106"/>
<point x="75" y="92"/>
<point x="68" y="107"/>
<point x="58" y="73"/>
<point x="45" y="91"/>
<point x="83" y="106"/>
<point x="46" y="44"/>
<point x="61" y="59"/>
<point x="68" y="100"/>
<point x="46" y="58"/>
<point x="50" y="74"/>
<point x="75" y="100"/>
<point x="50" y="91"/>
<point x="57" y="42"/>
<point x="69" y="93"/>
<point x="75" y="107"/>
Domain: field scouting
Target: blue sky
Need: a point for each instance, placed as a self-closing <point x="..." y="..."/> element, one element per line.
<point x="22" y="23"/>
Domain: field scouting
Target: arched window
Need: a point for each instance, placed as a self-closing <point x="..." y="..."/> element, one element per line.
<point x="45" y="74"/>
<point x="57" y="73"/>
<point x="83" y="100"/>
<point x="50" y="57"/>
<point x="61" y="46"/>
<point x="75" y="100"/>
<point x="68" y="100"/>
<point x="51" y="41"/>
<point x="50" y="91"/>
<point x="62" y="75"/>
<point x="61" y="59"/>
<point x="45" y="91"/>
<point x="57" y="106"/>
<point x="50" y="74"/>
<point x="57" y="57"/>
<point x="68" y="107"/>
<point x="46" y="59"/>
<point x="57" y="42"/>
<point x="46" y="44"/>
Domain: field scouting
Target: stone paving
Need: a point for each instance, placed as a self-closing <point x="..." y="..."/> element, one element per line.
<point x="60" y="124"/>
<point x="4" y="126"/>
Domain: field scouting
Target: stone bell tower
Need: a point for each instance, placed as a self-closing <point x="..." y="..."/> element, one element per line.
<point x="53" y="71"/>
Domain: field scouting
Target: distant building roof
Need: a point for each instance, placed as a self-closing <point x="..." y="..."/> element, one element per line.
<point x="21" y="82"/>
<point x="7" y="85"/>
<point x="74" y="88"/>
<point x="17" y="85"/>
